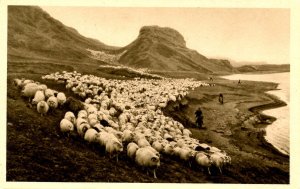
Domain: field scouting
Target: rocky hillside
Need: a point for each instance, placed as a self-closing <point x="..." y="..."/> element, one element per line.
<point x="162" y="48"/>
<point x="34" y="34"/>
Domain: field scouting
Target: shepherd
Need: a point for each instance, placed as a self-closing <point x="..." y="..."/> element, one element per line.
<point x="221" y="99"/>
<point x="199" y="118"/>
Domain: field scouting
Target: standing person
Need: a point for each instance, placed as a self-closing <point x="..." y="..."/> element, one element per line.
<point x="199" y="118"/>
<point x="221" y="98"/>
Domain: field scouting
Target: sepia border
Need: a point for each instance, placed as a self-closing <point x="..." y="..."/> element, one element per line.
<point x="293" y="5"/>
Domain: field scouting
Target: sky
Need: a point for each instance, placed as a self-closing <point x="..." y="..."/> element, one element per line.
<point x="238" y="34"/>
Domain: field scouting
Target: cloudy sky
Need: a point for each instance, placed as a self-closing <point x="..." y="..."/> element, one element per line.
<point x="238" y="34"/>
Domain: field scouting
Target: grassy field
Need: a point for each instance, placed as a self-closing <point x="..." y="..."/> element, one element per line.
<point x="36" y="151"/>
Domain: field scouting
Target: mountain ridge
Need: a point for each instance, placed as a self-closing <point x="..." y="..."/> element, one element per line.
<point x="34" y="34"/>
<point x="165" y="48"/>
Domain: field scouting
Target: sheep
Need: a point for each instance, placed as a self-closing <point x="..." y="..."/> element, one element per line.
<point x="203" y="160"/>
<point x="82" y="114"/>
<point x="143" y="143"/>
<point x="74" y="105"/>
<point x="18" y="83"/>
<point x="82" y="128"/>
<point x="147" y="158"/>
<point x="91" y="110"/>
<point x="186" y="154"/>
<point x="80" y="121"/>
<point x="157" y="146"/>
<point x="42" y="108"/>
<point x="48" y="92"/>
<point x="39" y="96"/>
<point x="131" y="150"/>
<point x="219" y="160"/>
<point x="92" y="116"/>
<point x="61" y="98"/>
<point x="66" y="126"/>
<point x="168" y="149"/>
<point x="30" y="90"/>
<point x="52" y="102"/>
<point x="186" y="132"/>
<point x="93" y="122"/>
<point x="102" y="138"/>
<point x="113" y="146"/>
<point x="127" y="136"/>
<point x="90" y="135"/>
<point x="70" y="116"/>
<point x="42" y="87"/>
<point x="98" y="127"/>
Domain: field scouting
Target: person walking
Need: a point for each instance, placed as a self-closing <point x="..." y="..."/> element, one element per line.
<point x="221" y="98"/>
<point x="199" y="118"/>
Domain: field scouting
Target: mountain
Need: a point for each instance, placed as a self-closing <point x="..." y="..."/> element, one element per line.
<point x="34" y="34"/>
<point x="163" y="48"/>
<point x="264" y="68"/>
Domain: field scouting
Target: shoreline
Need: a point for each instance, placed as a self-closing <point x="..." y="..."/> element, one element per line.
<point x="259" y="109"/>
<point x="230" y="127"/>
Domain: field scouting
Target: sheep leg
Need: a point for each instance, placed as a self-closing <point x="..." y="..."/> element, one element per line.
<point x="220" y="170"/>
<point x="154" y="174"/>
<point x="208" y="171"/>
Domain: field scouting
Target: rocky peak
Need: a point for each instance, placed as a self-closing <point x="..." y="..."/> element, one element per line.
<point x="165" y="35"/>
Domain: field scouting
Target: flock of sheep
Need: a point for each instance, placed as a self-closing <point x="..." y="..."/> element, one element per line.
<point x="118" y="114"/>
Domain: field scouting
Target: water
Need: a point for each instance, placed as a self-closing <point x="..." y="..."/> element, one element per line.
<point x="279" y="131"/>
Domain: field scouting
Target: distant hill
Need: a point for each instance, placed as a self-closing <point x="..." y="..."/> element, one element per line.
<point x="34" y="34"/>
<point x="264" y="68"/>
<point x="163" y="48"/>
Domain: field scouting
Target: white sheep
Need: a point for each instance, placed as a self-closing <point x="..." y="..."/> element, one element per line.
<point x="186" y="154"/>
<point x="131" y="150"/>
<point x="90" y="135"/>
<point x="219" y="160"/>
<point x="18" y="82"/>
<point x="52" y="102"/>
<point x="82" y="114"/>
<point x="147" y="158"/>
<point x="42" y="87"/>
<point x="42" y="108"/>
<point x="82" y="128"/>
<point x="186" y="132"/>
<point x="113" y="146"/>
<point x="127" y="136"/>
<point x="61" y="98"/>
<point x="66" y="126"/>
<point x="91" y="110"/>
<point x="30" y="90"/>
<point x="203" y="160"/>
<point x="49" y="92"/>
<point x="70" y="116"/>
<point x="39" y="96"/>
<point x="168" y="149"/>
<point x="157" y="146"/>
<point x="143" y="142"/>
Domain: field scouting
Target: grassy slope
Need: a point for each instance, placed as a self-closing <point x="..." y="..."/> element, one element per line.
<point x="37" y="152"/>
<point x="33" y="33"/>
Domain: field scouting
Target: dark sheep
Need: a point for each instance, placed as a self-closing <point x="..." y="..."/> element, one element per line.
<point x="74" y="105"/>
